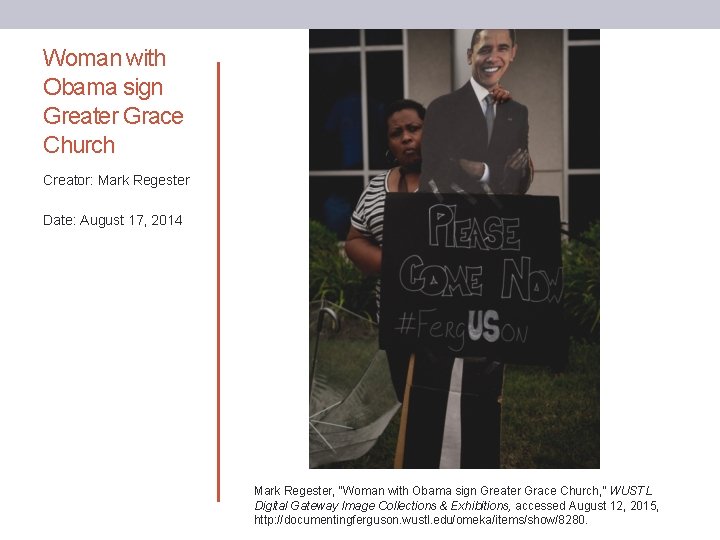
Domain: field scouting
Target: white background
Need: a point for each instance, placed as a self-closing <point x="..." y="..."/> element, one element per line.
<point x="107" y="349"/>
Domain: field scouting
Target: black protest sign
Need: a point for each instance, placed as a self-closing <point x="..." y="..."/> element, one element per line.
<point x="478" y="276"/>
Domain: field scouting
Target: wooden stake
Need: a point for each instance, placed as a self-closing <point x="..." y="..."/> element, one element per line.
<point x="400" y="450"/>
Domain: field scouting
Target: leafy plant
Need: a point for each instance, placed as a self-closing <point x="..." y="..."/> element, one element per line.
<point x="334" y="277"/>
<point x="581" y="267"/>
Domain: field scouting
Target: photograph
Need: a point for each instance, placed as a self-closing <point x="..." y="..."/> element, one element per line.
<point x="454" y="257"/>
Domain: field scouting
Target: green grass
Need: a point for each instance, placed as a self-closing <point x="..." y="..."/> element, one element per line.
<point x="548" y="420"/>
<point x="553" y="420"/>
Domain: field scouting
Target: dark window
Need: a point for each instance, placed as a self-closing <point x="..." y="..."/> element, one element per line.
<point x="334" y="38"/>
<point x="584" y="113"/>
<point x="576" y="35"/>
<point x="332" y="200"/>
<point x="584" y="201"/>
<point x="339" y="146"/>
<point x="384" y="85"/>
<point x="335" y="112"/>
<point x="383" y="37"/>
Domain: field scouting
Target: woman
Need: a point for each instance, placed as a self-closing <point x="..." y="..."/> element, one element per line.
<point x="404" y="121"/>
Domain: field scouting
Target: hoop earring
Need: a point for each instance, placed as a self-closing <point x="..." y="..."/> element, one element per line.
<point x="389" y="156"/>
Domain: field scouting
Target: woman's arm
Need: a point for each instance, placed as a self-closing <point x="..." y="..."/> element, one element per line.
<point x="362" y="251"/>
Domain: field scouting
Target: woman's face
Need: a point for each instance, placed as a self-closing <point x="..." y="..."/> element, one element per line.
<point x="405" y="136"/>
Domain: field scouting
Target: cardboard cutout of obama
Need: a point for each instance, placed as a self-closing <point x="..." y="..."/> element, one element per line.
<point x="472" y="144"/>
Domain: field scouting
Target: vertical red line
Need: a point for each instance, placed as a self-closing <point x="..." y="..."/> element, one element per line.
<point x="217" y="262"/>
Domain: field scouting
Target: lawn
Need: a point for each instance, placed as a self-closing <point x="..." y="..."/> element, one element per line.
<point x="548" y="420"/>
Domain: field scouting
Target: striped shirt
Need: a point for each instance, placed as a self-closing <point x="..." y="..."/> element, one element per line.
<point x="369" y="215"/>
<point x="370" y="210"/>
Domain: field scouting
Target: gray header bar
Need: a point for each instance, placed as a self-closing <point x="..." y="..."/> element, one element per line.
<point x="165" y="14"/>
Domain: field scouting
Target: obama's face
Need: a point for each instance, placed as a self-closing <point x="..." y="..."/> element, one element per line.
<point x="490" y="57"/>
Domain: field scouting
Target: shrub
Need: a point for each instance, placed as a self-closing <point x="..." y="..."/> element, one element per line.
<point x="334" y="277"/>
<point x="581" y="270"/>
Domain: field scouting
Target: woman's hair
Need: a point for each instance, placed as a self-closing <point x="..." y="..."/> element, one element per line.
<point x="402" y="104"/>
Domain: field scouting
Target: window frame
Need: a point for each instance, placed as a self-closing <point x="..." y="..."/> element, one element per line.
<point x="366" y="172"/>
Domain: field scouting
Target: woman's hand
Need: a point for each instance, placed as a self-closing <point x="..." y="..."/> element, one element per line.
<point x="500" y="95"/>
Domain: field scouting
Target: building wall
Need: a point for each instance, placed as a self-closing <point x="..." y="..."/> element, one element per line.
<point x="429" y="68"/>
